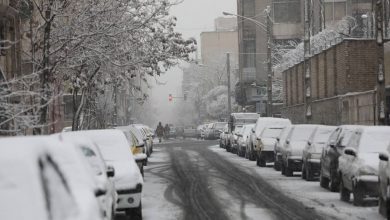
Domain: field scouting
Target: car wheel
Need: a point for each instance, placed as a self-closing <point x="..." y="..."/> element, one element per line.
<point x="345" y="194"/>
<point x="358" y="196"/>
<point x="252" y="156"/>
<point x="324" y="182"/>
<point x="228" y="147"/>
<point x="135" y="213"/>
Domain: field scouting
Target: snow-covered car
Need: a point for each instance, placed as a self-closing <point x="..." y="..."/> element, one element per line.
<point x="239" y="119"/>
<point x="242" y="139"/>
<point x="215" y="131"/>
<point x="358" y="165"/>
<point x="79" y="174"/>
<point x="293" y="148"/>
<point x="266" y="144"/>
<point x="329" y="177"/>
<point x="311" y="158"/>
<point x="279" y="146"/>
<point x="136" y="145"/>
<point x="233" y="139"/>
<point x="128" y="179"/>
<point x="199" y="131"/>
<point x="103" y="174"/>
<point x="147" y="137"/>
<point x="261" y="124"/>
<point x="24" y="164"/>
<point x="208" y="132"/>
<point x="223" y="136"/>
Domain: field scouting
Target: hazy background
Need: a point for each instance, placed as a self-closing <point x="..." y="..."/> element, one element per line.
<point x="194" y="17"/>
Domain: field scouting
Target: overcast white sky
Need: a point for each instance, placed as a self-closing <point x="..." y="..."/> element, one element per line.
<point x="194" y="17"/>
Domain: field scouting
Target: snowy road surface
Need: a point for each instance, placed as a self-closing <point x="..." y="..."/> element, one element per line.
<point x="198" y="180"/>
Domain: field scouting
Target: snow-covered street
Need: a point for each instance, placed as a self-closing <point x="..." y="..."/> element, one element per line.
<point x="198" y="180"/>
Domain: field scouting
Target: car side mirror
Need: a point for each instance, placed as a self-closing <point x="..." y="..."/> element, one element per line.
<point x="384" y="157"/>
<point x="100" y="192"/>
<point x="277" y="139"/>
<point x="110" y="171"/>
<point x="332" y="145"/>
<point x="350" y="151"/>
<point x="287" y="141"/>
<point x="253" y="130"/>
<point x="309" y="143"/>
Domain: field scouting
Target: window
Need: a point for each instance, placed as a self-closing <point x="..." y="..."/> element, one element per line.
<point x="287" y="11"/>
<point x="248" y="8"/>
<point x="335" y="10"/>
<point x="249" y="53"/>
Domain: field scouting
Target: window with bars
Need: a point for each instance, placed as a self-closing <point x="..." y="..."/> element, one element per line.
<point x="249" y="53"/>
<point x="287" y="11"/>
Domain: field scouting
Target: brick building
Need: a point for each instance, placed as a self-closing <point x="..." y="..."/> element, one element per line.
<point x="342" y="82"/>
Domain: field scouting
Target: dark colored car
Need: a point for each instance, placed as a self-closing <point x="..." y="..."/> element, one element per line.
<point x="329" y="177"/>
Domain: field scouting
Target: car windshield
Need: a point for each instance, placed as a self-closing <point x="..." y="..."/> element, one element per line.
<point x="322" y="135"/>
<point x="375" y="141"/>
<point x="271" y="132"/>
<point x="301" y="133"/>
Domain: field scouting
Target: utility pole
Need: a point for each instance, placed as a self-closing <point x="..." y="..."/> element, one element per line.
<point x="269" y="62"/>
<point x="307" y="65"/>
<point x="381" y="87"/>
<point x="228" y="78"/>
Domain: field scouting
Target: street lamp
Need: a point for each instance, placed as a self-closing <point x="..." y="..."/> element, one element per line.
<point x="268" y="28"/>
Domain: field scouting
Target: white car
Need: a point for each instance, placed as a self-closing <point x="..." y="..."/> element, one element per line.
<point x="128" y="179"/>
<point x="147" y="136"/>
<point x="278" y="148"/>
<point x="233" y="139"/>
<point x="293" y="148"/>
<point x="29" y="171"/>
<point x="103" y="174"/>
<point x="261" y="124"/>
<point x="358" y="166"/>
<point x="311" y="158"/>
<point x="243" y="137"/>
<point x="223" y="136"/>
<point x="266" y="143"/>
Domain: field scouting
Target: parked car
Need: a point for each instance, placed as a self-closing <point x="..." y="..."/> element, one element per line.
<point x="232" y="145"/>
<point x="384" y="183"/>
<point x="280" y="141"/>
<point x="199" y="131"/>
<point x="358" y="166"/>
<point x="243" y="137"/>
<point x="208" y="131"/>
<point x="329" y="177"/>
<point x="311" y="159"/>
<point x="293" y="148"/>
<point x="148" y="136"/>
<point x="25" y="162"/>
<point x="238" y="119"/>
<point x="128" y="179"/>
<point x="215" y="130"/>
<point x="102" y="174"/>
<point x="136" y="145"/>
<point x="190" y="132"/>
<point x="223" y="136"/>
<point x="261" y="124"/>
<point x="266" y="143"/>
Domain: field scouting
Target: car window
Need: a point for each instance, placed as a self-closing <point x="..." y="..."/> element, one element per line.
<point x="271" y="132"/>
<point x="322" y="135"/>
<point x="333" y="137"/>
<point x="374" y="141"/>
<point x="301" y="133"/>
<point x="92" y="160"/>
